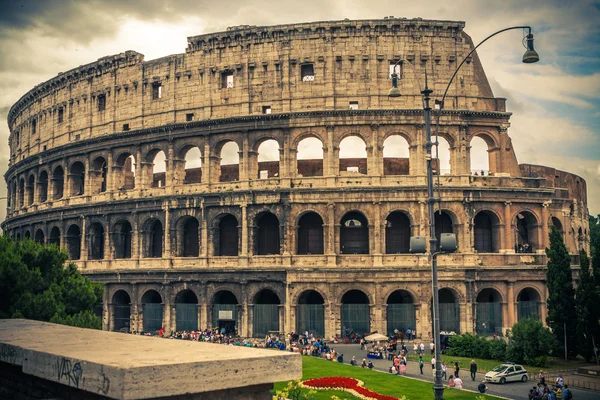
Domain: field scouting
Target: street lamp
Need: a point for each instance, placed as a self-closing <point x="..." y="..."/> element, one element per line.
<point x="447" y="241"/>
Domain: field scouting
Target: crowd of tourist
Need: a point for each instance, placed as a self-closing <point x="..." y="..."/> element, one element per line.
<point x="557" y="391"/>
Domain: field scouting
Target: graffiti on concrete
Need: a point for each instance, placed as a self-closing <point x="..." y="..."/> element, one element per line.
<point x="68" y="371"/>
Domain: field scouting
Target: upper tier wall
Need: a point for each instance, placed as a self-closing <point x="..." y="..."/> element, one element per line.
<point x="350" y="62"/>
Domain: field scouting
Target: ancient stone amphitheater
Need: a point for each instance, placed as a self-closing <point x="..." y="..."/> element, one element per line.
<point x="264" y="181"/>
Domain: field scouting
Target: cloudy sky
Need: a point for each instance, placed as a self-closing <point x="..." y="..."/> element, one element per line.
<point x="556" y="102"/>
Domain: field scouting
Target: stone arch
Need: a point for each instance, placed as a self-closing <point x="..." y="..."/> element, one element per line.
<point x="310" y="312"/>
<point x="43" y="186"/>
<point x="486" y="232"/>
<point x="265" y="313"/>
<point x="22" y="192"/>
<point x="58" y="182"/>
<point x="158" y="171"/>
<point x="449" y="302"/>
<point x="186" y="310"/>
<point x="225" y="311"/>
<point x="445" y="222"/>
<point x="77" y="179"/>
<point x="310" y="238"/>
<point x="526" y="225"/>
<point x="188" y="236"/>
<point x="309" y="156"/>
<point x="355" y="312"/>
<point x="31" y="189"/>
<point x="528" y="301"/>
<point x="153" y="237"/>
<point x="267" y="237"/>
<point x="268" y="162"/>
<point x="96" y="244"/>
<point x="39" y="236"/>
<point x="122" y="238"/>
<point x="226" y="235"/>
<point x="124" y="171"/>
<point x="396" y="155"/>
<point x="152" y="310"/>
<point x="405" y="135"/>
<point x="351" y="158"/>
<point x="397" y="232"/>
<point x="27" y="234"/>
<point x="489" y="311"/>
<point x="443" y="163"/>
<point x="480" y="156"/>
<point x="54" y="236"/>
<point x="99" y="175"/>
<point x="121" y="311"/>
<point x="227" y="160"/>
<point x="354" y="233"/>
<point x="192" y="164"/>
<point x="400" y="311"/>
<point x="73" y="239"/>
<point x="306" y="135"/>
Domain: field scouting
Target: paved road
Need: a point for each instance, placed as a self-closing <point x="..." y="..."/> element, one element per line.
<point x="513" y="390"/>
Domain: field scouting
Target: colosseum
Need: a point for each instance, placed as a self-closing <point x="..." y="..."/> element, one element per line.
<point x="264" y="181"/>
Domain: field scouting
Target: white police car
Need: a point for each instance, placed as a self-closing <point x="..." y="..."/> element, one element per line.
<point x="508" y="372"/>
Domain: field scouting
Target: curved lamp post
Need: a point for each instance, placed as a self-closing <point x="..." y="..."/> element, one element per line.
<point x="447" y="241"/>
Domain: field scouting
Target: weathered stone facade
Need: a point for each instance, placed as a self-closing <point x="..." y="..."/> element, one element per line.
<point x="299" y="243"/>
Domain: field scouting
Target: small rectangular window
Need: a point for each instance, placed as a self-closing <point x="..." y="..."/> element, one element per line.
<point x="101" y="102"/>
<point x="394" y="69"/>
<point x="353" y="105"/>
<point x="33" y="126"/>
<point x="189" y="117"/>
<point x="18" y="138"/>
<point x="307" y="71"/>
<point x="227" y="79"/>
<point x="77" y="137"/>
<point x="45" y="147"/>
<point x="156" y="91"/>
<point x="266" y="109"/>
<point x="61" y="115"/>
<point x="125" y="127"/>
<point x="264" y="174"/>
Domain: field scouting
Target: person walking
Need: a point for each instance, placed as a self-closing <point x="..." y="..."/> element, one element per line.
<point x="473" y="369"/>
<point x="456" y="369"/>
<point x="444" y="369"/>
<point x="421" y="362"/>
<point x="432" y="347"/>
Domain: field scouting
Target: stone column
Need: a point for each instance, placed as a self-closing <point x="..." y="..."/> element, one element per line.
<point x="206" y="164"/>
<point x="330" y="152"/>
<point x="244" y="159"/>
<point x="167" y="228"/>
<point x="545" y="242"/>
<point x="107" y="311"/>
<point x="281" y="314"/>
<point x="135" y="323"/>
<point x="331" y="251"/>
<point x="375" y="157"/>
<point x="243" y="260"/>
<point x="509" y="242"/>
<point x="377" y="228"/>
<point x="110" y="181"/>
<point x="510" y="299"/>
<point x="169" y="165"/>
<point x="83" y="247"/>
<point x="107" y="242"/>
<point x="203" y="316"/>
<point x="139" y="173"/>
<point x="204" y="235"/>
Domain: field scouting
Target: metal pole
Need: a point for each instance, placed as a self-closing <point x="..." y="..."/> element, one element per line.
<point x="565" y="333"/>
<point x="438" y="387"/>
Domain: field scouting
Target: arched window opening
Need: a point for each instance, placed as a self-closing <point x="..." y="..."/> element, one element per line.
<point x="401" y="312"/>
<point x="230" y="162"/>
<point x="396" y="156"/>
<point x="353" y="155"/>
<point x="225" y="312"/>
<point x="528" y="304"/>
<point x="30" y="190"/>
<point x="267" y="235"/>
<point x="480" y="159"/>
<point x="39" y="236"/>
<point x="54" y="238"/>
<point x="449" y="311"/>
<point x="27" y="235"/>
<point x="43" y="187"/>
<point x="121" y="305"/>
<point x="310" y="314"/>
<point x="526" y="233"/>
<point x="356" y="313"/>
<point x="98" y="175"/>
<point x="310" y="234"/>
<point x="486" y="232"/>
<point x="96" y="251"/>
<point x="265" y="313"/>
<point x="193" y="166"/>
<point x="155" y="239"/>
<point x="268" y="159"/>
<point x="77" y="179"/>
<point x="443" y="224"/>
<point x="152" y="311"/>
<point x="557" y="224"/>
<point x="191" y="247"/>
<point x="13" y="195"/>
<point x="74" y="242"/>
<point x="397" y="233"/>
<point x="22" y="192"/>
<point x="58" y="182"/>
<point x="354" y="234"/>
<point x="125" y="172"/>
<point x="159" y="168"/>
<point x="227" y="235"/>
<point x="310" y="157"/>
<point x="186" y="311"/>
<point x="122" y="239"/>
<point x="489" y="312"/>
<point x="442" y="163"/>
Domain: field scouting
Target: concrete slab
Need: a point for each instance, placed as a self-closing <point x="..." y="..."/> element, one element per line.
<point x="123" y="366"/>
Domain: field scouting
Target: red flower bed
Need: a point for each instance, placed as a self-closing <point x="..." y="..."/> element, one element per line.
<point x="340" y="382"/>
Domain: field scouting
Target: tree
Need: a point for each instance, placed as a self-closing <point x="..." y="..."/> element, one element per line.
<point x="587" y="298"/>
<point x="529" y="342"/>
<point x="595" y="247"/>
<point x="561" y="295"/>
<point x="35" y="284"/>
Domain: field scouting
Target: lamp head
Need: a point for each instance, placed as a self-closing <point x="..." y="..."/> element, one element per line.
<point x="530" y="56"/>
<point x="394" y="91"/>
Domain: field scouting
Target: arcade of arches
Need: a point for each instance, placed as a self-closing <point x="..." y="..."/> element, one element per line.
<point x="257" y="308"/>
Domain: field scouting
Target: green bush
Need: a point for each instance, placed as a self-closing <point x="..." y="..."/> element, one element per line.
<point x="529" y="342"/>
<point x="473" y="346"/>
<point x="497" y="349"/>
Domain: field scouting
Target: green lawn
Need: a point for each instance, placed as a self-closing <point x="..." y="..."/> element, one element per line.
<point x="486" y="365"/>
<point x="377" y="381"/>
